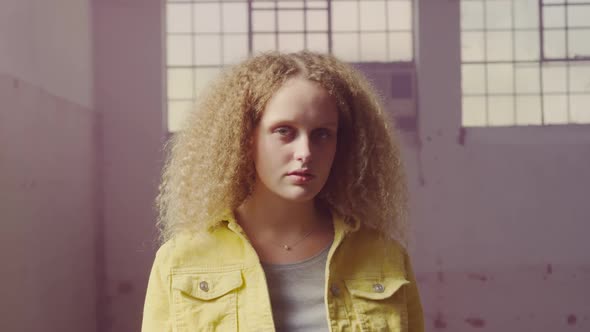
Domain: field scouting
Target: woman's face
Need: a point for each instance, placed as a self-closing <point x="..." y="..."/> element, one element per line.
<point x="295" y="141"/>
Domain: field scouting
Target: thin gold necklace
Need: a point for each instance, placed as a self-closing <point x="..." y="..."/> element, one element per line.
<point x="289" y="247"/>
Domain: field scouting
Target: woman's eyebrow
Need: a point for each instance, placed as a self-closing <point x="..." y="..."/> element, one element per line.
<point x="329" y="124"/>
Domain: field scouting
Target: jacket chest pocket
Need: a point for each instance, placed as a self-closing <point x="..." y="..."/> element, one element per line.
<point x="206" y="302"/>
<point x="379" y="304"/>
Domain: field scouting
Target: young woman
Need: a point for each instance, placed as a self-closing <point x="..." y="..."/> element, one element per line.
<point x="282" y="207"/>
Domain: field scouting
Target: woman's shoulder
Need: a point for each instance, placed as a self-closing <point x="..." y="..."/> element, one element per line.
<point x="199" y="250"/>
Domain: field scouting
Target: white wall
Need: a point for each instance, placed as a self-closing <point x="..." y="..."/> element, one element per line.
<point x="47" y="167"/>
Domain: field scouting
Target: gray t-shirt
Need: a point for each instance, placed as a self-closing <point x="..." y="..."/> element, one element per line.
<point x="297" y="294"/>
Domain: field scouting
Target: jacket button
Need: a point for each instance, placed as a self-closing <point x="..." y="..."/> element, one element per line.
<point x="378" y="288"/>
<point x="204" y="286"/>
<point x="335" y="290"/>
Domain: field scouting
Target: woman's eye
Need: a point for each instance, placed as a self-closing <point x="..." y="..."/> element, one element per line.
<point x="283" y="131"/>
<point x="323" y="133"/>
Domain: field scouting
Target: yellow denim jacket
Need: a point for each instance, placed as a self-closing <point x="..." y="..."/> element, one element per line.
<point x="216" y="283"/>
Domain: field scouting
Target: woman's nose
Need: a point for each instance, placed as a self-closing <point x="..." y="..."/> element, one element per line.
<point x="303" y="150"/>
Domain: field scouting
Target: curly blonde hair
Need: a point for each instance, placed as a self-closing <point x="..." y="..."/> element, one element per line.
<point x="210" y="169"/>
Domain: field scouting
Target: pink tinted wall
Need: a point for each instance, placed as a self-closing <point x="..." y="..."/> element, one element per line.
<point x="500" y="215"/>
<point x="129" y="95"/>
<point x="47" y="167"/>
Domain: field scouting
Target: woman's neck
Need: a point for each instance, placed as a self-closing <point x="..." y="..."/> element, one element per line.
<point x="265" y="213"/>
<point x="274" y="224"/>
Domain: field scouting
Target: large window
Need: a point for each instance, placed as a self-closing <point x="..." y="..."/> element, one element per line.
<point x="203" y="36"/>
<point x="525" y="62"/>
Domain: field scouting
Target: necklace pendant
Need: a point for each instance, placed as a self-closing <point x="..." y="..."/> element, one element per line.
<point x="286" y="247"/>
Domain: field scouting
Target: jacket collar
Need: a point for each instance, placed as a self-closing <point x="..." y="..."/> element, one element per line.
<point x="342" y="225"/>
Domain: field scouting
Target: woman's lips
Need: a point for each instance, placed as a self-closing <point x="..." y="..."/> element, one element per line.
<point x="298" y="177"/>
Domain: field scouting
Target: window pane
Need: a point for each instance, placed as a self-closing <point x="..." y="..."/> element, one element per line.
<point x="203" y="77"/>
<point x="372" y="15"/>
<point x="263" y="20"/>
<point x="474" y="112"/>
<point x="528" y="78"/>
<point x="472" y="15"/>
<point x="317" y="42"/>
<point x="235" y="48"/>
<point x="235" y="17"/>
<point x="291" y="42"/>
<point x="257" y="4"/>
<point x="554" y="44"/>
<point x="345" y="46"/>
<point x="527" y="45"/>
<point x="206" y="17"/>
<point x="263" y="43"/>
<point x="579" y="43"/>
<point x="207" y="50"/>
<point x="472" y="46"/>
<point x="578" y="16"/>
<point x="179" y="51"/>
<point x="400" y="46"/>
<point x="554" y="79"/>
<point x="400" y="15"/>
<point x="317" y="20"/>
<point x="580" y="78"/>
<point x="180" y="83"/>
<point x="473" y="79"/>
<point x="317" y="4"/>
<point x="499" y="46"/>
<point x="373" y="47"/>
<point x="290" y="4"/>
<point x="501" y="111"/>
<point x="291" y="20"/>
<point x="554" y="17"/>
<point x="344" y="16"/>
<point x="526" y="14"/>
<point x="500" y="78"/>
<point x="555" y="109"/>
<point x="178" y="18"/>
<point x="580" y="108"/>
<point x="499" y="14"/>
<point x="528" y="110"/>
<point x="177" y="112"/>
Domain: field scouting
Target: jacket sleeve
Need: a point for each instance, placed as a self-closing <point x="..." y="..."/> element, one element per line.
<point x="415" y="313"/>
<point x="156" y="310"/>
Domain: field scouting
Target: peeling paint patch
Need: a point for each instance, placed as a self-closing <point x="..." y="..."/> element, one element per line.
<point x="462" y="135"/>
<point x="477" y="276"/>
<point x="439" y="322"/>
<point x="572" y="320"/>
<point x="475" y="322"/>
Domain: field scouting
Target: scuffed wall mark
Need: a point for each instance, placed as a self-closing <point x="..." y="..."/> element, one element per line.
<point x="462" y="136"/>
<point x="125" y="287"/>
<point x="440" y="276"/>
<point x="477" y="276"/>
<point x="475" y="322"/>
<point x="572" y="320"/>
<point x="15" y="83"/>
<point x="548" y="271"/>
<point x="439" y="322"/>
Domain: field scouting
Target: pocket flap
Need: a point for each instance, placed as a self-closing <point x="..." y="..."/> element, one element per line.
<point x="374" y="289"/>
<point x="207" y="286"/>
